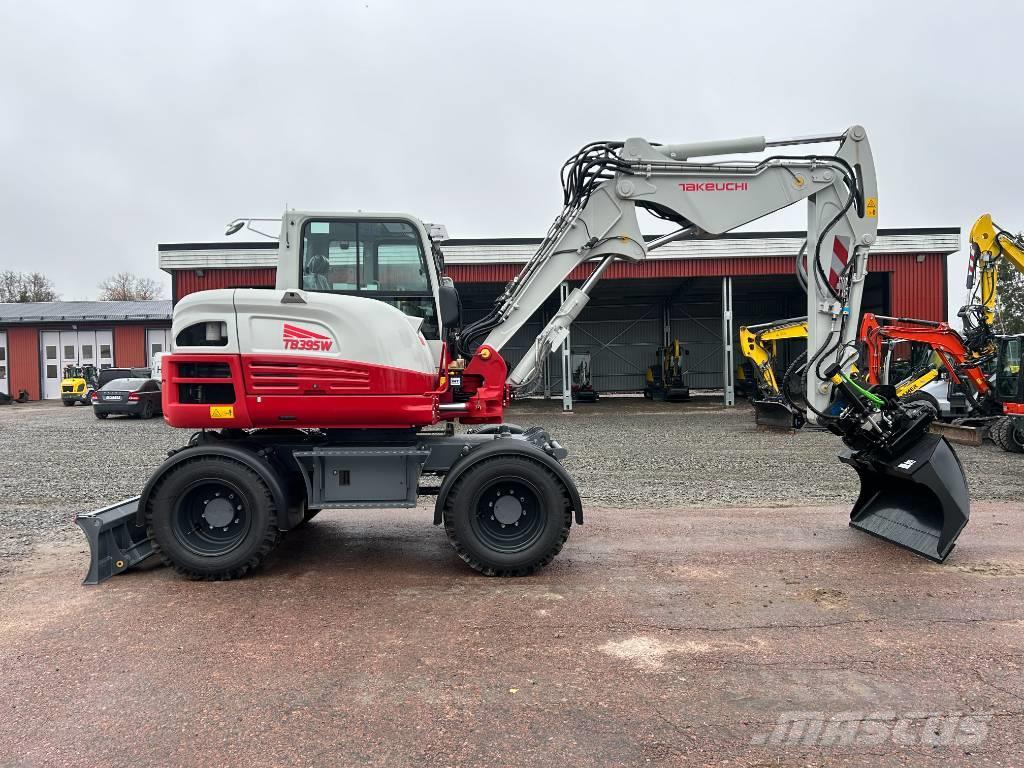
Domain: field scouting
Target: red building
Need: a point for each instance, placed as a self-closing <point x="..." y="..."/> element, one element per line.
<point x="37" y="340"/>
<point x="679" y="291"/>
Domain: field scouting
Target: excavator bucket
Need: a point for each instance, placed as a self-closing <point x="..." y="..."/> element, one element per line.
<point x="916" y="499"/>
<point x="775" y="413"/>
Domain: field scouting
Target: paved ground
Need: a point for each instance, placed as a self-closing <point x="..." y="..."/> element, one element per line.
<point x="677" y="635"/>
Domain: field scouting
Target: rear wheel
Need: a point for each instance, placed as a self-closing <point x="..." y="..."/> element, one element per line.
<point x="147" y="409"/>
<point x="507" y="516"/>
<point x="212" y="518"/>
<point x="101" y="414"/>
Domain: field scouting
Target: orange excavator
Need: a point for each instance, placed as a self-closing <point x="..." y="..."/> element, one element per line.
<point x="963" y="365"/>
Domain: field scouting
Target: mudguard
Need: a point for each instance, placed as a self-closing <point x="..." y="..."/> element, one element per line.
<point x="917" y="499"/>
<point x="506" y="446"/>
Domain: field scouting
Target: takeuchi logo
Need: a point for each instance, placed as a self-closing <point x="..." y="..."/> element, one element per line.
<point x="714" y="186"/>
<point x="301" y="338"/>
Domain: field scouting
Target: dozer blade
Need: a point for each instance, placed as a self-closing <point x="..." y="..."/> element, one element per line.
<point x="116" y="543"/>
<point x="917" y="500"/>
<point x="776" y="414"/>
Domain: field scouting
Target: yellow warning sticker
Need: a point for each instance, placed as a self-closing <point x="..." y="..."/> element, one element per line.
<point x="871" y="207"/>
<point x="222" y="412"/>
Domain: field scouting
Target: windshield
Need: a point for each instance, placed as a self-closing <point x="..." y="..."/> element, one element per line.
<point x="363" y="256"/>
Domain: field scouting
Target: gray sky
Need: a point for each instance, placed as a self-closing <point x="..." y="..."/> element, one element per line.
<point x="128" y="124"/>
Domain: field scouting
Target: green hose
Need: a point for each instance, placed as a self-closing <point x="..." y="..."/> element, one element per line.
<point x="871" y="396"/>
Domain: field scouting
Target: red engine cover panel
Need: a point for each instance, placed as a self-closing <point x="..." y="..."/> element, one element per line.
<point x="274" y="391"/>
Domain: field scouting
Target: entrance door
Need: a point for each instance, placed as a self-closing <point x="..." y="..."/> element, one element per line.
<point x="157" y="341"/>
<point x="105" y="349"/>
<point x="4" y="385"/>
<point x="51" y="365"/>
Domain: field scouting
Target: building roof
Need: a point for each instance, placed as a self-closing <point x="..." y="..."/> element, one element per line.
<point x="84" y="311"/>
<point x="222" y="255"/>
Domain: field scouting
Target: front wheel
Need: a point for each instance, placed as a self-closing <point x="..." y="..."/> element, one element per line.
<point x="507" y="516"/>
<point x="212" y="518"/>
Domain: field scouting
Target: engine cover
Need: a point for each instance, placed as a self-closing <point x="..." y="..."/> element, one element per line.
<point x="250" y="358"/>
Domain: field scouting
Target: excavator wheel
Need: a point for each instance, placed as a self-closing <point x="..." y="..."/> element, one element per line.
<point x="507" y="516"/>
<point x="1006" y="435"/>
<point x="212" y="518"/>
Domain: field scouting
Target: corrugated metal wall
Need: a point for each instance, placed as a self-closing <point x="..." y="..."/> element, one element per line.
<point x="622" y="334"/>
<point x="188" y="281"/>
<point x="130" y="346"/>
<point x="23" y="360"/>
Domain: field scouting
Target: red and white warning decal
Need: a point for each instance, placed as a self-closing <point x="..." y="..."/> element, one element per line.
<point x="840" y="258"/>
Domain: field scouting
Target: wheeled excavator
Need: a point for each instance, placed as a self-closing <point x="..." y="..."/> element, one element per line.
<point x="340" y="387"/>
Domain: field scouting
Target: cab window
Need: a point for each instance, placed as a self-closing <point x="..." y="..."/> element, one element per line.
<point x="379" y="259"/>
<point x="347" y="256"/>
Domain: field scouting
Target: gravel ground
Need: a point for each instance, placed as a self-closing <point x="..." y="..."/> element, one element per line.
<point x="623" y="452"/>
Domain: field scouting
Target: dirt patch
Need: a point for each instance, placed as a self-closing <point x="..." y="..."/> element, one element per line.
<point x="650" y="653"/>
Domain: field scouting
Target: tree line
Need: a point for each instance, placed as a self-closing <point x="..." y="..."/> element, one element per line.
<point x="23" y="287"/>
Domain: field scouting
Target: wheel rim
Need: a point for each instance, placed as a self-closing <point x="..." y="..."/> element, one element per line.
<point x="508" y="516"/>
<point x="211" y="518"/>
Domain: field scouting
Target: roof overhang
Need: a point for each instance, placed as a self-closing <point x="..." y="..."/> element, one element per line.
<point x="940" y="240"/>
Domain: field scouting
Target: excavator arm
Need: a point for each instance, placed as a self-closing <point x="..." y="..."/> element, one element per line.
<point x="989" y="244"/>
<point x="964" y="367"/>
<point x="913" y="491"/>
<point x="606" y="182"/>
<point x="758" y="344"/>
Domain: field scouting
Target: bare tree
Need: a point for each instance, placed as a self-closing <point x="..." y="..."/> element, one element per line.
<point x="124" y="286"/>
<point x="1010" y="307"/>
<point x="21" y="287"/>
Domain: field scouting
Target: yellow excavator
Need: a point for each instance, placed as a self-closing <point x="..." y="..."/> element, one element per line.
<point x="774" y="408"/>
<point x="991" y="245"/>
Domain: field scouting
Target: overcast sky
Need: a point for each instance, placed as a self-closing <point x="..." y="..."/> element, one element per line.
<point x="127" y="124"/>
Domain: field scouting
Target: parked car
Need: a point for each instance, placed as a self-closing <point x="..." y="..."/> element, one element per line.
<point x="109" y="374"/>
<point x="132" y="397"/>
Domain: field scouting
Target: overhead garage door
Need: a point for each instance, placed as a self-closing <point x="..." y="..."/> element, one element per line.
<point x="63" y="348"/>
<point x="4" y="382"/>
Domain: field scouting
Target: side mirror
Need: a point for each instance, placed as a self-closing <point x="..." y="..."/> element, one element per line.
<point x="449" y="305"/>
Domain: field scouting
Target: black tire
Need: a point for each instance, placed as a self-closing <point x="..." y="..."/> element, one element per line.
<point x="67" y="403"/>
<point x="1010" y="439"/>
<point x="196" y="545"/>
<point x="100" y="414"/>
<point x="923" y="397"/>
<point x="496" y="548"/>
<point x="147" y="410"/>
